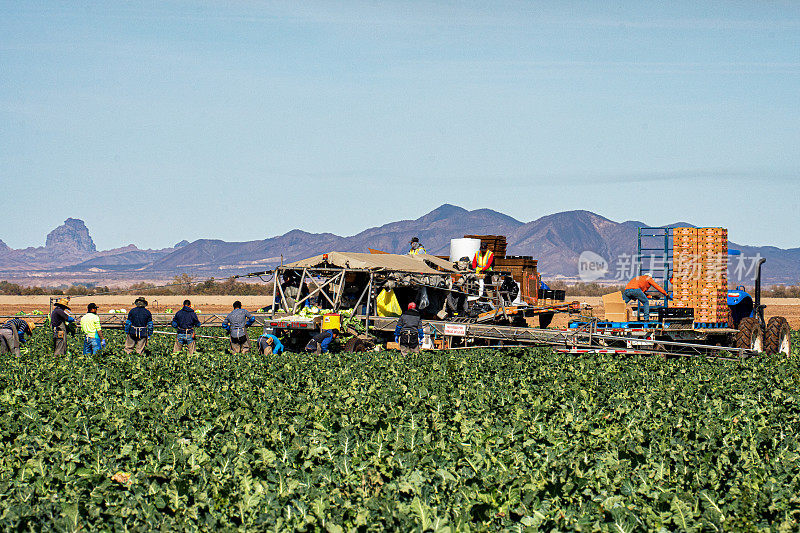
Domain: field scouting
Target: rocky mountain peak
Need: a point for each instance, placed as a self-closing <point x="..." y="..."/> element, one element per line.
<point x="70" y="237"/>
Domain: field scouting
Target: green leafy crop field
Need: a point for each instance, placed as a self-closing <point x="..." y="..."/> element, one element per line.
<point x="444" y="441"/>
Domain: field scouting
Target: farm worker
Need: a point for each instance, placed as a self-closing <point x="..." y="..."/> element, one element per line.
<point x="12" y="334"/>
<point x="59" y="319"/>
<point x="93" y="340"/>
<point x="138" y="327"/>
<point x="408" y="332"/>
<point x="320" y="342"/>
<point x="184" y="322"/>
<point x="236" y="324"/>
<point x="483" y="260"/>
<point x="269" y="344"/>
<point x="416" y="247"/>
<point x="635" y="290"/>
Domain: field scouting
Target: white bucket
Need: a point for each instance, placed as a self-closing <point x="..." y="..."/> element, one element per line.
<point x="463" y="248"/>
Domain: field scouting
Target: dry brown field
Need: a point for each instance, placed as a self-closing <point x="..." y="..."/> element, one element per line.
<point x="212" y="304"/>
<point x="9" y="305"/>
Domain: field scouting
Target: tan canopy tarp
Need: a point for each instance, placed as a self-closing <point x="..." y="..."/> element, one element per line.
<point x="355" y="260"/>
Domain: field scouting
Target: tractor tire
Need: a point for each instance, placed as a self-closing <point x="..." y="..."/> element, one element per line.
<point x="750" y="336"/>
<point x="778" y="340"/>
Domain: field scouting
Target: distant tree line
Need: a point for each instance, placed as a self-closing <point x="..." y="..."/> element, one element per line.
<point x="180" y="285"/>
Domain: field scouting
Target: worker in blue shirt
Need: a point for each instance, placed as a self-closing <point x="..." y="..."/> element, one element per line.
<point x="184" y="323"/>
<point x="269" y="344"/>
<point x="320" y="342"/>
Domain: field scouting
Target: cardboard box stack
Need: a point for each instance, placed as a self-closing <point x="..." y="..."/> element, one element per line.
<point x="496" y="243"/>
<point x="615" y="308"/>
<point x="700" y="272"/>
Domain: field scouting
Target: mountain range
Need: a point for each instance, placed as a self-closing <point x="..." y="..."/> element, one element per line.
<point x="556" y="240"/>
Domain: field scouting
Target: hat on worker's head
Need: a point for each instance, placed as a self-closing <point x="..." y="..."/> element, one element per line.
<point x="31" y="324"/>
<point x="412" y="305"/>
<point x="140" y="302"/>
<point x="62" y="302"/>
<point x="415" y="239"/>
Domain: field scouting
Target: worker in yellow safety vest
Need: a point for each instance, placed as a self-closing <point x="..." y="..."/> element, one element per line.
<point x="483" y="260"/>
<point x="416" y="247"/>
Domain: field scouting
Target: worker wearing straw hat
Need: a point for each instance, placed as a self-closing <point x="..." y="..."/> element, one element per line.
<point x="138" y="327"/>
<point x="59" y="319"/>
<point x="12" y="334"/>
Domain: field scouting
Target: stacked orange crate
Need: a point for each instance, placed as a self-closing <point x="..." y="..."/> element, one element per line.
<point x="712" y="255"/>
<point x="700" y="262"/>
<point x="684" y="267"/>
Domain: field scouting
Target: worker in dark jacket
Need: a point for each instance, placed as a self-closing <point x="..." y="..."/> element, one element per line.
<point x="12" y="334"/>
<point x="236" y="324"/>
<point x="184" y="323"/>
<point x="320" y="342"/>
<point x="408" y="332"/>
<point x="138" y="327"/>
<point x="59" y="319"/>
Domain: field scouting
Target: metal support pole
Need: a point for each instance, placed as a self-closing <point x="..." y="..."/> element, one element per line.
<point x="369" y="302"/>
<point x="274" y="293"/>
<point x="299" y="290"/>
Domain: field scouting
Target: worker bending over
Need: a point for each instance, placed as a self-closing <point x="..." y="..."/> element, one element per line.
<point x="12" y="334"/>
<point x="269" y="344"/>
<point x="236" y="324"/>
<point x="184" y="323"/>
<point x="416" y="247"/>
<point x="138" y="327"/>
<point x="93" y="340"/>
<point x="59" y="319"/>
<point x="635" y="290"/>
<point x="320" y="342"/>
<point x="408" y="332"/>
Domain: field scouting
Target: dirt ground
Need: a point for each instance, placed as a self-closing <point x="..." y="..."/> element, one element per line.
<point x="9" y="305"/>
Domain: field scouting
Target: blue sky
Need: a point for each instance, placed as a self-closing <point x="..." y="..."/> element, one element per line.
<point x="161" y="121"/>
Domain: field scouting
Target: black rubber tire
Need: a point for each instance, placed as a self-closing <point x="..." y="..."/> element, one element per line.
<point x="750" y="336"/>
<point x="778" y="338"/>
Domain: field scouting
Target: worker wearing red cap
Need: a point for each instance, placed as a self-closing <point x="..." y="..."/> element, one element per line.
<point x="408" y="332"/>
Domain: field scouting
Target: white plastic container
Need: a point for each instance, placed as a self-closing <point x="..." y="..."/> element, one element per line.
<point x="463" y="248"/>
